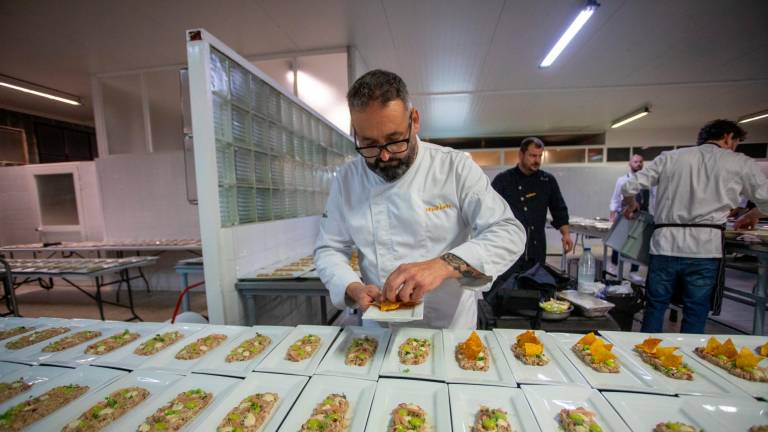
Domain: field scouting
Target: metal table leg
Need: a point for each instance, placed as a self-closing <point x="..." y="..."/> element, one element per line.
<point x="761" y="289"/>
<point x="124" y="274"/>
<point x="250" y="309"/>
<point x="185" y="300"/>
<point x="98" y="297"/>
<point x="323" y="311"/>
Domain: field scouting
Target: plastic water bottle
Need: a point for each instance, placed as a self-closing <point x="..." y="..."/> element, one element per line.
<point x="586" y="275"/>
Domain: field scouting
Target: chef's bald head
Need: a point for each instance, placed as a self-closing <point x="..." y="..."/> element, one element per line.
<point x="377" y="86"/>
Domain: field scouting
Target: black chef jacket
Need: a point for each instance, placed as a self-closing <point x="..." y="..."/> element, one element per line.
<point x="530" y="196"/>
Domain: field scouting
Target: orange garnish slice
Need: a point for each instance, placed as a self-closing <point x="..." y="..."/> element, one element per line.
<point x="671" y="361"/>
<point x="712" y="345"/>
<point x="664" y="352"/>
<point x="588" y="339"/>
<point x="763" y="350"/>
<point x="472" y="346"/>
<point x="527" y="337"/>
<point x="728" y="349"/>
<point x="387" y="306"/>
<point x="746" y="359"/>
<point x="601" y="354"/>
<point x="532" y="349"/>
<point x="649" y="345"/>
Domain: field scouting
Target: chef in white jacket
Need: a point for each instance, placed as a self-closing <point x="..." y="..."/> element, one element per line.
<point x="424" y="218"/>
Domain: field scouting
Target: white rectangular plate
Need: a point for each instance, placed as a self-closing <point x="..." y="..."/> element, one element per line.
<point x="153" y="381"/>
<point x="632" y="376"/>
<point x="216" y="362"/>
<point x="76" y="355"/>
<point x="432" y="397"/>
<point x="27" y="355"/>
<point x="124" y="358"/>
<point x="276" y="361"/>
<point x="287" y="387"/>
<point x="558" y="371"/>
<point x="732" y="413"/>
<point x="166" y="360"/>
<point x="642" y="412"/>
<point x="498" y="372"/>
<point x="432" y="369"/>
<point x="333" y="363"/>
<point x="33" y="375"/>
<point x="705" y="382"/>
<point x="398" y="315"/>
<point x="466" y="401"/>
<point x="547" y="401"/>
<point x="218" y="385"/>
<point x="689" y="342"/>
<point x="359" y="393"/>
<point x="93" y="377"/>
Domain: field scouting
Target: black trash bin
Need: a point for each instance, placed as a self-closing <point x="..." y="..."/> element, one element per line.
<point x="627" y="305"/>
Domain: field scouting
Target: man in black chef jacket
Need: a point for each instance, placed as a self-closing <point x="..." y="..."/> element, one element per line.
<point x="529" y="191"/>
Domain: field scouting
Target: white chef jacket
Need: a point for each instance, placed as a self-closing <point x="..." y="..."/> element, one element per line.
<point x="617" y="198"/>
<point x="697" y="185"/>
<point x="443" y="203"/>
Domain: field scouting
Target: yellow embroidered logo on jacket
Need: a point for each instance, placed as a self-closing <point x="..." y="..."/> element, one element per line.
<point x="439" y="207"/>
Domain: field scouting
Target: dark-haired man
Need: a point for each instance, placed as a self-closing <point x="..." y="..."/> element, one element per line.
<point x="424" y="218"/>
<point x="530" y="192"/>
<point x="697" y="188"/>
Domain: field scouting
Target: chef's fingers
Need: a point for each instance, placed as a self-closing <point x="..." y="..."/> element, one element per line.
<point x="405" y="292"/>
<point x="373" y="291"/>
<point x="393" y="284"/>
<point x="418" y="293"/>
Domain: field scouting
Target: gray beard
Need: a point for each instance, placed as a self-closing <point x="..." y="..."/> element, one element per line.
<point x="392" y="173"/>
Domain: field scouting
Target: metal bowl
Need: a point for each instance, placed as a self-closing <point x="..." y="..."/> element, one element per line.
<point x="556" y="316"/>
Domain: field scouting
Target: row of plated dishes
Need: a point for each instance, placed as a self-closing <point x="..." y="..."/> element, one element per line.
<point x="311" y="378"/>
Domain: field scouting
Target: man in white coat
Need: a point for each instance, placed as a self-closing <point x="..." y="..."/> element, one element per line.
<point x="424" y="218"/>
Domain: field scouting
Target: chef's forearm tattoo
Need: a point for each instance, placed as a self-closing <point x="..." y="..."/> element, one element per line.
<point x="466" y="270"/>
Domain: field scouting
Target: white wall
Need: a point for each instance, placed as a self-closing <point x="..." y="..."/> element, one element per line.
<point x="19" y="214"/>
<point x="144" y="197"/>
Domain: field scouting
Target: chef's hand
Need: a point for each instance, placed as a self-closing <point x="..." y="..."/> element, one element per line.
<point x="567" y="244"/>
<point x="409" y="282"/>
<point x="363" y="295"/>
<point x="746" y="221"/>
<point x="630" y="207"/>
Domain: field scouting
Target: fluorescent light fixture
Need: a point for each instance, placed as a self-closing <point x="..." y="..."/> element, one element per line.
<point x="37" y="90"/>
<point x="642" y="112"/>
<point x="753" y="116"/>
<point x="569" y="34"/>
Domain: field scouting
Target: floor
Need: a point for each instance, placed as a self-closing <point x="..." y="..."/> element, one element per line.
<point x="66" y="302"/>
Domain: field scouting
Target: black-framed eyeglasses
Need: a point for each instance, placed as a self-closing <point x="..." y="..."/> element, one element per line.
<point x="394" y="147"/>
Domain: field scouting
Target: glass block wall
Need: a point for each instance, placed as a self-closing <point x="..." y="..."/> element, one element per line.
<point x="275" y="160"/>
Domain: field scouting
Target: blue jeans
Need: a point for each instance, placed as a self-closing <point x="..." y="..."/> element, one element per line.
<point x="694" y="277"/>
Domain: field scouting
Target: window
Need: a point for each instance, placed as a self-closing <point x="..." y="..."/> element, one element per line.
<point x="511" y="157"/>
<point x="554" y="156"/>
<point x="57" y="199"/>
<point x="486" y="158"/>
<point x="620" y="154"/>
<point x="650" y="153"/>
<point x="594" y="155"/>
<point x="753" y="150"/>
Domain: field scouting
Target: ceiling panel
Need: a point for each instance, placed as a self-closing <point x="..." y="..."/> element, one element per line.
<point x="520" y="113"/>
<point x="472" y="66"/>
<point x="441" y="45"/>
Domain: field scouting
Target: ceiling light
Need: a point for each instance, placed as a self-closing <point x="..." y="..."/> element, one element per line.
<point x="753" y="116"/>
<point x="38" y="90"/>
<point x="569" y="34"/>
<point x="642" y="112"/>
